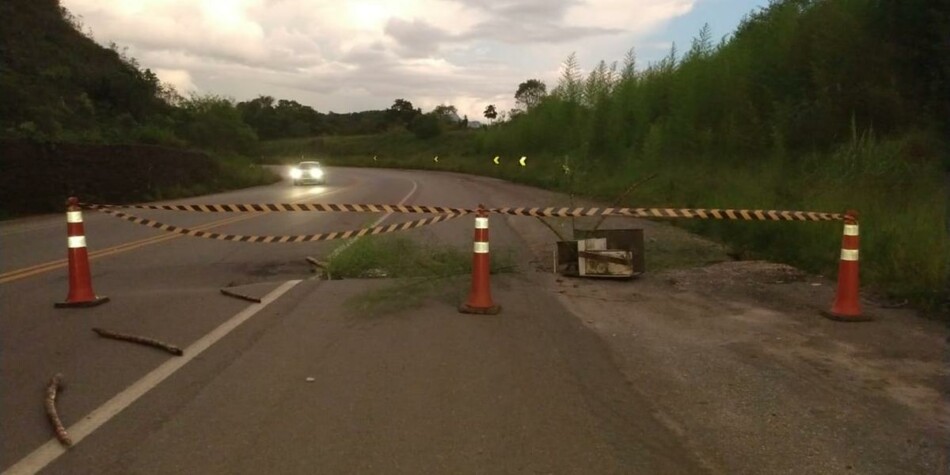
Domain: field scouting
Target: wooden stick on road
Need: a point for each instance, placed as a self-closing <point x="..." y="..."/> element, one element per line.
<point x="138" y="339"/>
<point x="51" y="391"/>
<point x="231" y="293"/>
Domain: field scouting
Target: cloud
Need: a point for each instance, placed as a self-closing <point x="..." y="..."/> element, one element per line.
<point x="416" y="37"/>
<point x="346" y="55"/>
<point x="512" y="31"/>
<point x="636" y="15"/>
<point x="526" y="10"/>
<point x="179" y="78"/>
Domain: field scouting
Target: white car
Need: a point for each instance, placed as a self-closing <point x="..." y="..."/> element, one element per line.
<point x="308" y="173"/>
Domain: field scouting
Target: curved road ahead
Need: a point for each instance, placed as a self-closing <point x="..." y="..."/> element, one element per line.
<point x="304" y="382"/>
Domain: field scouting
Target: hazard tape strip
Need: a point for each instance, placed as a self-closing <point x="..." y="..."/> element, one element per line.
<point x="271" y="207"/>
<point x="666" y="213"/>
<point x="732" y="214"/>
<point x="391" y="228"/>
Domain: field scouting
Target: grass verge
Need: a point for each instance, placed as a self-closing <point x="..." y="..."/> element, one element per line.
<point x="234" y="173"/>
<point x="419" y="269"/>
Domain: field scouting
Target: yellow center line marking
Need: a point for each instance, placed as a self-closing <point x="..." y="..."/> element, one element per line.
<point x="128" y="246"/>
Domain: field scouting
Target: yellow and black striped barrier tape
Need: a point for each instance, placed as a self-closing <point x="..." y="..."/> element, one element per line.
<point x="666" y="213"/>
<point x="382" y="229"/>
<point x="273" y="207"/>
<point x="694" y="213"/>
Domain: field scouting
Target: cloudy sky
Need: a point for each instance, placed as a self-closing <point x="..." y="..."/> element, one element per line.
<point x="352" y="55"/>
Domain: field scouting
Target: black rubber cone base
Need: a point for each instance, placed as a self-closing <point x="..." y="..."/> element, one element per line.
<point x="493" y="310"/>
<point x="91" y="303"/>
<point x="845" y="318"/>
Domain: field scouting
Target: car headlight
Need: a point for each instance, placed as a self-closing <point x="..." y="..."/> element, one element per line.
<point x="316" y="173"/>
<point x="295" y="173"/>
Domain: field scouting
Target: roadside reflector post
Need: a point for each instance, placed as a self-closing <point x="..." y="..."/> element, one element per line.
<point x="80" y="281"/>
<point x="479" y="299"/>
<point x="847" y="306"/>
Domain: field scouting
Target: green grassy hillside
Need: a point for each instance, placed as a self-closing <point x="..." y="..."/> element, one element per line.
<point x="58" y="83"/>
<point x="67" y="100"/>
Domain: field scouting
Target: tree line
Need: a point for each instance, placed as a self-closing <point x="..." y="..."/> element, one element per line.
<point x="61" y="86"/>
<point x="809" y="104"/>
<point x="797" y="76"/>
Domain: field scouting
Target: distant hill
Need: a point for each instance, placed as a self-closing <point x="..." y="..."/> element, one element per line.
<point x="73" y="116"/>
<point x="58" y="83"/>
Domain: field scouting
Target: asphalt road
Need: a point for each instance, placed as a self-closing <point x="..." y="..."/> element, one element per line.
<point x="304" y="383"/>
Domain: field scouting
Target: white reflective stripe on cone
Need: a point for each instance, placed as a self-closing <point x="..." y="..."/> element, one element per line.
<point x="481" y="223"/>
<point x="76" y="241"/>
<point x="74" y="216"/>
<point x="849" y="254"/>
<point x="481" y="248"/>
<point x="850" y="229"/>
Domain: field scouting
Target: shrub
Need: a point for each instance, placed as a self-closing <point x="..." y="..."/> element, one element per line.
<point x="425" y="126"/>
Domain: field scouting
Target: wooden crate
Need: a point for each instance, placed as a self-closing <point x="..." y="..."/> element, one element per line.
<point x="606" y="253"/>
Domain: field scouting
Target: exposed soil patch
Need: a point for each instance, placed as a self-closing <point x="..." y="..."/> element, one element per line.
<point x="271" y="271"/>
<point x="749" y="365"/>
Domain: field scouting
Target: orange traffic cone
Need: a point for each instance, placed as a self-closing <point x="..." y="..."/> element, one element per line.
<point x="80" y="282"/>
<point x="479" y="299"/>
<point x="847" y="306"/>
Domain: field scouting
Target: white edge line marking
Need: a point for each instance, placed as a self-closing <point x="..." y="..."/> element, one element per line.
<point x="52" y="449"/>
<point x="382" y="218"/>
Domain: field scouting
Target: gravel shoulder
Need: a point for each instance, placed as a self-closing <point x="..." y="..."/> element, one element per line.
<point x="736" y="357"/>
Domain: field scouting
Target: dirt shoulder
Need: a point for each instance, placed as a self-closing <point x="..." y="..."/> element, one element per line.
<point x="736" y="357"/>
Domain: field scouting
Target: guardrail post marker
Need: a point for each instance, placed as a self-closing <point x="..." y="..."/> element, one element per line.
<point x="847" y="306"/>
<point x="479" y="299"/>
<point x="80" y="281"/>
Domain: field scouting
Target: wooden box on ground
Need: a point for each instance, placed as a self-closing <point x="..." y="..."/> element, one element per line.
<point x="605" y="253"/>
